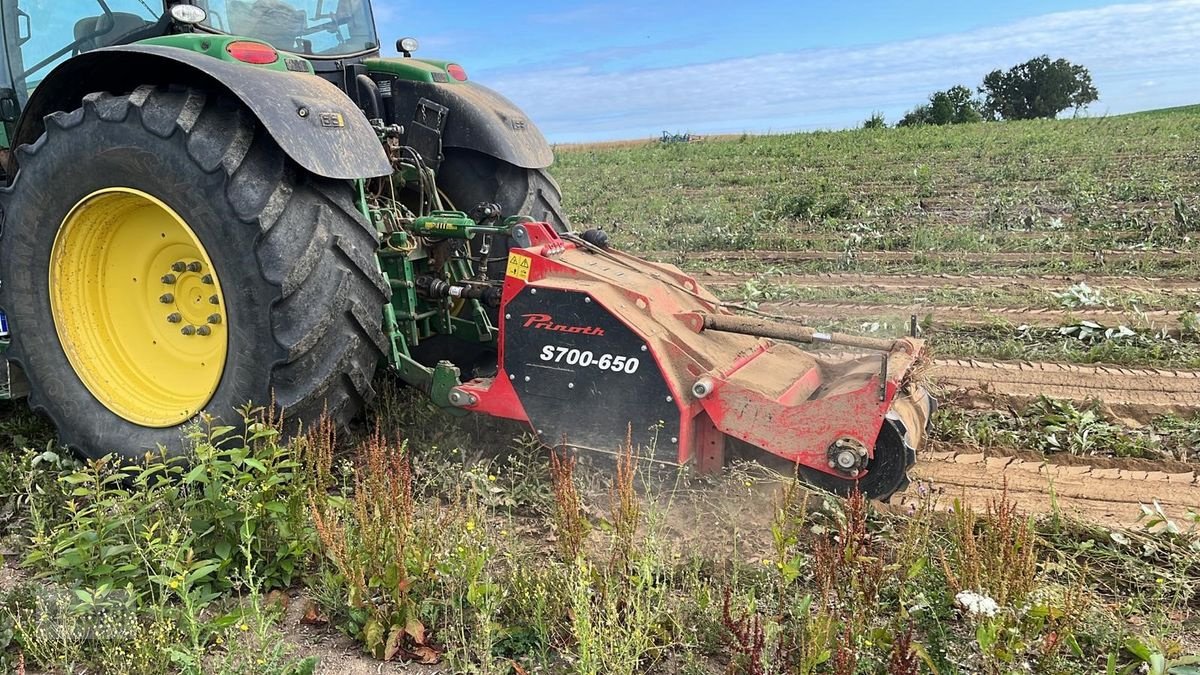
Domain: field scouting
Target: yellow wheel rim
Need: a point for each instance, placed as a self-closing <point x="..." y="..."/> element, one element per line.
<point x="138" y="307"/>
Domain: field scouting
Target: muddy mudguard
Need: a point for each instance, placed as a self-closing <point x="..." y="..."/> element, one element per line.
<point x="313" y="121"/>
<point x="475" y="118"/>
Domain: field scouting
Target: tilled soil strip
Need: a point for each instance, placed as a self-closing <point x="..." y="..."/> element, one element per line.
<point x="1026" y="257"/>
<point x="716" y="280"/>
<point x="1137" y="394"/>
<point x="1169" y="320"/>
<point x="1110" y="496"/>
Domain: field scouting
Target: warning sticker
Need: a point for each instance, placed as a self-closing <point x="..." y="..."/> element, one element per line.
<point x="518" y="266"/>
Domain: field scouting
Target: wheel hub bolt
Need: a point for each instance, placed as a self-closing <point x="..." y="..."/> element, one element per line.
<point x="203" y="330"/>
<point x="214" y="300"/>
<point x="194" y="267"/>
<point x="166" y="298"/>
<point x="178" y="266"/>
<point x="174" y="317"/>
<point x="188" y="330"/>
<point x="168" y="278"/>
<point x="214" y="318"/>
<point x="207" y="278"/>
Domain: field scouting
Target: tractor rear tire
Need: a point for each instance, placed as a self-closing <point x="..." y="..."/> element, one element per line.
<point x="290" y="308"/>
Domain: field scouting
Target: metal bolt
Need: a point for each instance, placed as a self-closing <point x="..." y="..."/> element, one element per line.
<point x="643" y="347"/>
<point x="669" y="399"/>
<point x="526" y="378"/>
<point x="203" y="330"/>
<point x="512" y="377"/>
<point x="533" y="291"/>
<point x="214" y="300"/>
<point x="303" y="112"/>
<point x="508" y="316"/>
<point x="570" y="385"/>
<point x="168" y="278"/>
<point x="207" y="278"/>
<point x="188" y="330"/>
<point x="194" y="266"/>
<point x="832" y="464"/>
<point x="178" y="266"/>
<point x="166" y="298"/>
<point x="174" y="317"/>
<point x="587" y="300"/>
<point x="214" y="318"/>
<point x="674" y="439"/>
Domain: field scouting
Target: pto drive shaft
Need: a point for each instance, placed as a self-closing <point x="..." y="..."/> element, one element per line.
<point x="785" y="331"/>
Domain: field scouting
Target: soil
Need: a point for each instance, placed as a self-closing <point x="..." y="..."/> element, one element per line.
<point x="1009" y="257"/>
<point x="1107" y="496"/>
<point x="1133" y="395"/>
<point x="720" y="279"/>
<point x="942" y="315"/>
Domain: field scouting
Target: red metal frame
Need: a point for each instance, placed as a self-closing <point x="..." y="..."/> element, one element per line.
<point x="800" y="422"/>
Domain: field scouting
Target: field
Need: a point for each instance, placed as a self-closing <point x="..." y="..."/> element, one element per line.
<point x="1053" y="526"/>
<point x="1051" y="259"/>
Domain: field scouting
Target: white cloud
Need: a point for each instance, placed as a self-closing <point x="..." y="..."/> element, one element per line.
<point x="1124" y="46"/>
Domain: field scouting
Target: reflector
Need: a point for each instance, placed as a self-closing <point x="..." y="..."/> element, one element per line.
<point x="252" y="52"/>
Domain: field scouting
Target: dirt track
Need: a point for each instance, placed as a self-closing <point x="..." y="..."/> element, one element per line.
<point x="1110" y="496"/>
<point x="717" y="280"/>
<point x="964" y="315"/>
<point x="1137" y="393"/>
<point x="1009" y="257"/>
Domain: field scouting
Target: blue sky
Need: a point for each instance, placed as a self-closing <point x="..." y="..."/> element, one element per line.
<point x="588" y="70"/>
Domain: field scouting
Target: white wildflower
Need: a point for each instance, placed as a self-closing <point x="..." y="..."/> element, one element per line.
<point x="976" y="604"/>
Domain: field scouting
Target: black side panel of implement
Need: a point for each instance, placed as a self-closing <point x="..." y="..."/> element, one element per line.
<point x="590" y="406"/>
<point x="300" y="111"/>
<point x="477" y="119"/>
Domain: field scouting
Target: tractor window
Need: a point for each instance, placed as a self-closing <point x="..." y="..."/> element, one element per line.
<point x="313" y="27"/>
<point x="51" y="31"/>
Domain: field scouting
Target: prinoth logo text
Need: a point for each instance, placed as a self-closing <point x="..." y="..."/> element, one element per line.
<point x="546" y="322"/>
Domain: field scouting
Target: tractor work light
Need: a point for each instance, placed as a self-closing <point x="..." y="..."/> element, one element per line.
<point x="407" y="45"/>
<point x="255" y="53"/>
<point x="189" y="14"/>
<point x="457" y="72"/>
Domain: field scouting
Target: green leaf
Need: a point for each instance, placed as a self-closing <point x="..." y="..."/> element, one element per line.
<point x="223" y="549"/>
<point x="915" y="569"/>
<point x="255" y="464"/>
<point x="1139" y="649"/>
<point x="202" y="571"/>
<point x="372" y="637"/>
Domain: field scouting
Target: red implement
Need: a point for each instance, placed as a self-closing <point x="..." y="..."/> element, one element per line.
<point x="595" y="344"/>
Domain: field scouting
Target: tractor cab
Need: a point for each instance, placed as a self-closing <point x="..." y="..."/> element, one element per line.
<point x="40" y="34"/>
<point x="310" y="28"/>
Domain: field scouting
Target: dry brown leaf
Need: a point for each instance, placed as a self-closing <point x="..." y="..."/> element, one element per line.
<point x="426" y="655"/>
<point x="313" y="616"/>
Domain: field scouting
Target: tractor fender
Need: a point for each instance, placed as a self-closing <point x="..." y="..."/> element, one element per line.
<point x="313" y="121"/>
<point x="478" y="119"/>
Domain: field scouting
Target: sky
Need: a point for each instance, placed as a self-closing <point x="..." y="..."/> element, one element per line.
<point x="623" y="69"/>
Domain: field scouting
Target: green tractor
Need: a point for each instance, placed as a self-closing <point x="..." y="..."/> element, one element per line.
<point x="218" y="202"/>
<point x="196" y="195"/>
